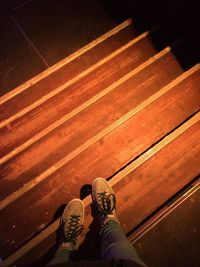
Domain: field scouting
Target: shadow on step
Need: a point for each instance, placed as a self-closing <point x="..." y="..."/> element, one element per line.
<point x="92" y="240"/>
<point x="49" y="254"/>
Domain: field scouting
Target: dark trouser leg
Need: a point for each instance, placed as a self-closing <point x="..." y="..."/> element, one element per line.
<point x="115" y="245"/>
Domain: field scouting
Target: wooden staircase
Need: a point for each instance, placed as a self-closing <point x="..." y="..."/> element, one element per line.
<point x="116" y="108"/>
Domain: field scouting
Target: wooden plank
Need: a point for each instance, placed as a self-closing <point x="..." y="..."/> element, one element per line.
<point x="179" y="141"/>
<point x="35" y="208"/>
<point x="55" y="108"/>
<point x="58" y="81"/>
<point x="76" y="135"/>
<point x="43" y="251"/>
<point x="36" y="255"/>
<point x="115" y="32"/>
<point x="163" y="175"/>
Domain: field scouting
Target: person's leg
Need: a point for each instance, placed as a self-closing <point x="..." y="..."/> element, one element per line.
<point x="115" y="245"/>
<point x="71" y="226"/>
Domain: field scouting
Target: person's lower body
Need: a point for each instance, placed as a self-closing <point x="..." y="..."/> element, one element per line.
<point x="71" y="226"/>
<point x="115" y="245"/>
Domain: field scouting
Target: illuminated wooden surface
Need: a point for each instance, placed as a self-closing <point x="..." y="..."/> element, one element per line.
<point x="56" y="75"/>
<point x="109" y="122"/>
<point x="71" y="97"/>
<point x="73" y="134"/>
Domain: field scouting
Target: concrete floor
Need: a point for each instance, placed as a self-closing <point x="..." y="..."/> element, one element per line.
<point x="36" y="34"/>
<point x="174" y="241"/>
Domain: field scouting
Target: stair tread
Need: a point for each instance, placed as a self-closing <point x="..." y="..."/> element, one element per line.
<point x="161" y="174"/>
<point x="113" y="109"/>
<point x="113" y="151"/>
<point x="57" y="76"/>
<point x="73" y="133"/>
<point x="73" y="96"/>
<point x="155" y="168"/>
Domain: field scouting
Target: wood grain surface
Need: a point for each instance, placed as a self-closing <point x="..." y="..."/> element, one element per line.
<point x="134" y="179"/>
<point x="103" y="158"/>
<point x="72" y="135"/>
<point x="72" y="70"/>
<point x="33" y="122"/>
<point x="121" y="31"/>
<point x="115" y="109"/>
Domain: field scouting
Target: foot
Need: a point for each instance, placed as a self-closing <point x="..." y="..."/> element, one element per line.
<point x="105" y="200"/>
<point x="72" y="223"/>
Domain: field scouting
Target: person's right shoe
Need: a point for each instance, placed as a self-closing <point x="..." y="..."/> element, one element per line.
<point x="105" y="200"/>
<point x="72" y="223"/>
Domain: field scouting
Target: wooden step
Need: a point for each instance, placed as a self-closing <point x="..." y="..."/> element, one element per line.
<point x="158" y="171"/>
<point x="105" y="154"/>
<point x="122" y="97"/>
<point x="67" y="102"/>
<point x="69" y="70"/>
<point x="161" y="174"/>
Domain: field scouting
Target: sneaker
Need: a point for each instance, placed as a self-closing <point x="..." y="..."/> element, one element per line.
<point x="72" y="223"/>
<point x="105" y="200"/>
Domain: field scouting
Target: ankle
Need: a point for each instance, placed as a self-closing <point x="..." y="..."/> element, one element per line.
<point x="67" y="245"/>
<point x="110" y="217"/>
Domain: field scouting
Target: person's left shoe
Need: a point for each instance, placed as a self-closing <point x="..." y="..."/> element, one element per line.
<point x="72" y="223"/>
<point x="104" y="199"/>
